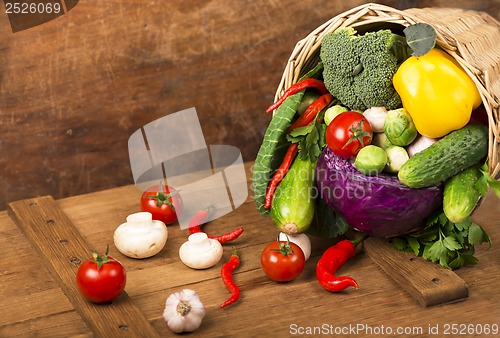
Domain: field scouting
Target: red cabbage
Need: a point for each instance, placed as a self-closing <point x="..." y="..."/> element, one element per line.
<point x="377" y="205"/>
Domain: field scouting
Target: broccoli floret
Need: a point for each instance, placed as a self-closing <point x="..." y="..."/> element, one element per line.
<point x="359" y="68"/>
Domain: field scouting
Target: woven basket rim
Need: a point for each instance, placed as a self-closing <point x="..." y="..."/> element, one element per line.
<point x="457" y="38"/>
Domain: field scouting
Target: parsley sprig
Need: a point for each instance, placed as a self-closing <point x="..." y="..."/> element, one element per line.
<point x="486" y="181"/>
<point x="452" y="245"/>
<point x="311" y="139"/>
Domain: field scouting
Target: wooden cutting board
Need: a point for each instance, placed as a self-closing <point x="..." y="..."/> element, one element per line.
<point x="62" y="249"/>
<point x="429" y="283"/>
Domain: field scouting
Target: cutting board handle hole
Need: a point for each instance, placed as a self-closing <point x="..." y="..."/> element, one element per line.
<point x="412" y="259"/>
<point x="34" y="204"/>
<point x="123" y="327"/>
<point x="50" y="221"/>
<point x="436" y="280"/>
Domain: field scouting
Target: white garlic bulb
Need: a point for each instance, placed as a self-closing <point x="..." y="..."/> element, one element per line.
<point x="184" y="311"/>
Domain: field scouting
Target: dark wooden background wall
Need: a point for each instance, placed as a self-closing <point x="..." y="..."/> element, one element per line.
<point x="74" y="89"/>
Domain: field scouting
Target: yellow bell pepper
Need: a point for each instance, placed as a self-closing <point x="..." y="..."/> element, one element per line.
<point x="437" y="93"/>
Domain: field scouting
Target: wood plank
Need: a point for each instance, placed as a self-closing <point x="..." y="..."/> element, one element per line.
<point x="268" y="308"/>
<point x="432" y="285"/>
<point x="62" y="248"/>
<point x="32" y="303"/>
<point x="49" y="300"/>
<point x="62" y="325"/>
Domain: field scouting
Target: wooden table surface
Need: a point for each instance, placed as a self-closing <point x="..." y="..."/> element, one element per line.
<point x="33" y="304"/>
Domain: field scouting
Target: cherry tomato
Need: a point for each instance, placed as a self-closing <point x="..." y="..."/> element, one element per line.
<point x="348" y="133"/>
<point x="101" y="279"/>
<point x="282" y="261"/>
<point x="164" y="204"/>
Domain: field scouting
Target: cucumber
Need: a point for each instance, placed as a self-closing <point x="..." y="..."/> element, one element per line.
<point x="460" y="195"/>
<point x="293" y="206"/>
<point x="445" y="158"/>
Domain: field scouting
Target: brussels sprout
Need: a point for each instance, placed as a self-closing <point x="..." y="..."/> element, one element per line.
<point x="396" y="157"/>
<point x="332" y="112"/>
<point x="381" y="140"/>
<point x="371" y="160"/>
<point x="399" y="127"/>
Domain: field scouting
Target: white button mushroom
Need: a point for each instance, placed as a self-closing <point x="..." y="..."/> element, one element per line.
<point x="200" y="252"/>
<point x="140" y="236"/>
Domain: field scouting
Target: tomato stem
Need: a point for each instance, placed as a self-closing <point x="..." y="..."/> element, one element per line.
<point x="101" y="260"/>
<point x="284" y="248"/>
<point x="162" y="198"/>
<point x="357" y="134"/>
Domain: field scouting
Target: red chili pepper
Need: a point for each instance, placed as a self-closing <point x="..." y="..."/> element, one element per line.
<point x="314" y="108"/>
<point x="331" y="260"/>
<point x="229" y="237"/>
<point x="297" y="87"/>
<point x="227" y="277"/>
<point x="280" y="173"/>
<point x="201" y="217"/>
<point x="198" y="219"/>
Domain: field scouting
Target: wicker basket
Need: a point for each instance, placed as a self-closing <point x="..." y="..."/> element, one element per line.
<point x="472" y="38"/>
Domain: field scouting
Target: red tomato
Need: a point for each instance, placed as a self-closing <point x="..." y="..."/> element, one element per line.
<point x="163" y="204"/>
<point x="282" y="261"/>
<point x="348" y="133"/>
<point x="101" y="279"/>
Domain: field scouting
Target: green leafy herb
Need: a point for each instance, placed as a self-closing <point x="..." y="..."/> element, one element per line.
<point x="311" y="139"/>
<point x="421" y="38"/>
<point x="444" y="242"/>
<point x="486" y="181"/>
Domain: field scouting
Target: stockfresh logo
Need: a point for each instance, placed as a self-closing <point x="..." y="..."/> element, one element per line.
<point x="27" y="14"/>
